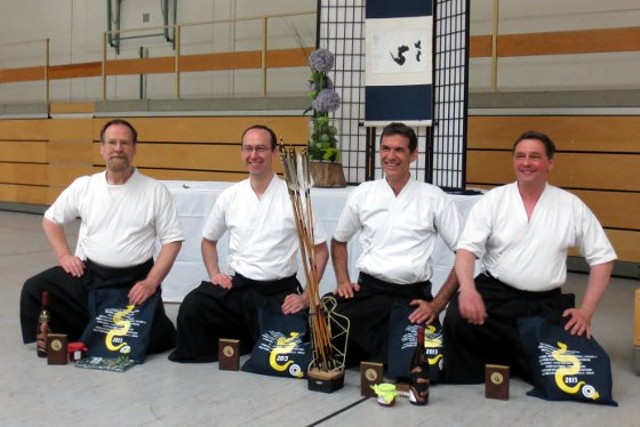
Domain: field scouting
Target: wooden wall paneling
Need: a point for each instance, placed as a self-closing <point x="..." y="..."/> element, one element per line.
<point x="23" y="173"/>
<point x="558" y="42"/>
<point x="626" y="244"/>
<point x="575" y="170"/>
<point x="28" y="130"/>
<point x="23" y="194"/>
<point x="570" y="133"/>
<point x="140" y="66"/>
<point x="200" y="157"/>
<point x="70" y="152"/>
<point x="212" y="129"/>
<point x="74" y="71"/>
<point x="25" y="74"/>
<point x="570" y="42"/>
<point x="23" y="151"/>
<point x="613" y="209"/>
<point x="70" y="129"/>
<point x="489" y="168"/>
<point x="185" y="175"/>
<point x="61" y="175"/>
<point x="281" y="58"/>
<point x="221" y="61"/>
<point x="480" y="46"/>
<point x="597" y="171"/>
<point x="189" y="156"/>
<point x="72" y="107"/>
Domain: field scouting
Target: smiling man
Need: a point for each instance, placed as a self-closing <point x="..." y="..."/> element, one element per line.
<point x="522" y="232"/>
<point x="263" y="247"/>
<point x="122" y="213"/>
<point x="399" y="220"/>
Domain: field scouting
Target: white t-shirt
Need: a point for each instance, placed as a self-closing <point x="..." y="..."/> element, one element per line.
<point x="531" y="254"/>
<point x="119" y="223"/>
<point x="398" y="234"/>
<point x="263" y="243"/>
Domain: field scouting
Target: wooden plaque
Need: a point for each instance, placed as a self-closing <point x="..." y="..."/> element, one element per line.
<point x="229" y="354"/>
<point x="496" y="381"/>
<point x="57" y="349"/>
<point x="371" y="373"/>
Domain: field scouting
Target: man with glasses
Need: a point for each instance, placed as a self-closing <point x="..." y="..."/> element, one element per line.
<point x="122" y="214"/>
<point x="263" y="247"/>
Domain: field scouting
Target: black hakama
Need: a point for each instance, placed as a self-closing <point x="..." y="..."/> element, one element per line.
<point x="369" y="310"/>
<point x="68" y="302"/>
<point x="467" y="347"/>
<point x="210" y="312"/>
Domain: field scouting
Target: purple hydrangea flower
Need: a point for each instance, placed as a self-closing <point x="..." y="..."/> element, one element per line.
<point x="326" y="101"/>
<point x="321" y="60"/>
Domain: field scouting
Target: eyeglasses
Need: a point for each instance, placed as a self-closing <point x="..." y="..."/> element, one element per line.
<point x="258" y="149"/>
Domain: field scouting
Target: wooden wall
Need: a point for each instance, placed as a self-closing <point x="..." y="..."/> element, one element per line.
<point x="598" y="159"/>
<point x="39" y="158"/>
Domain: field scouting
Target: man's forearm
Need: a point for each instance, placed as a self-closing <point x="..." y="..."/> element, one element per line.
<point x="164" y="262"/>
<point x="446" y="292"/>
<point x="339" y="256"/>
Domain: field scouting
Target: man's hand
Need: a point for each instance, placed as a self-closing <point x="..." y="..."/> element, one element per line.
<point x="579" y="322"/>
<point x="222" y="280"/>
<point x="142" y="291"/>
<point x="347" y="289"/>
<point x="294" y="303"/>
<point x="472" y="306"/>
<point x="425" y="312"/>
<point x="72" y="265"/>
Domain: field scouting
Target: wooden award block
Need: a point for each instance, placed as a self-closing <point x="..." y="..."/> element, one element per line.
<point x="229" y="354"/>
<point x="371" y="373"/>
<point x="496" y="382"/>
<point x="57" y="349"/>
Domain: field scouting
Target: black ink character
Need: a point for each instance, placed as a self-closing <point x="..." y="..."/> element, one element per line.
<point x="400" y="59"/>
<point x="418" y="46"/>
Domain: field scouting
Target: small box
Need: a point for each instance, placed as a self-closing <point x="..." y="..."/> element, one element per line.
<point x="371" y="373"/>
<point x="229" y="354"/>
<point x="57" y="349"/>
<point x="496" y="381"/>
<point x="325" y="382"/>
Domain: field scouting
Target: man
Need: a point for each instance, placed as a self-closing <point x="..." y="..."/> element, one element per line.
<point x="399" y="220"/>
<point x="522" y="232"/>
<point x="263" y="249"/>
<point x="122" y="213"/>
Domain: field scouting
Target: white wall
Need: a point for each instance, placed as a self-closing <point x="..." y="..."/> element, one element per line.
<point x="75" y="29"/>
<point x="566" y="72"/>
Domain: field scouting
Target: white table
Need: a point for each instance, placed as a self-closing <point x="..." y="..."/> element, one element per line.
<point x="194" y="201"/>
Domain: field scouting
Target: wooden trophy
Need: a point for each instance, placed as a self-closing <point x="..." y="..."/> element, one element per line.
<point x="57" y="349"/>
<point x="229" y="354"/>
<point x="371" y="373"/>
<point x="496" y="381"/>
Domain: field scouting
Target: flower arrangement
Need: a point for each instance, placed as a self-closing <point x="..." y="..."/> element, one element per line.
<point x="323" y="142"/>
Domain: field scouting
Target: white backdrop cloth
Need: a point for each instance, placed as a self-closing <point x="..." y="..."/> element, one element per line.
<point x="194" y="201"/>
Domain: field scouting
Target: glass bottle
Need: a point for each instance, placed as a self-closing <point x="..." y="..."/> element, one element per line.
<point x="420" y="380"/>
<point x="43" y="326"/>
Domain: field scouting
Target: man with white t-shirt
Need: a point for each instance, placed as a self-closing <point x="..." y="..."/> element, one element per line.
<point x="522" y="232"/>
<point x="263" y="249"/>
<point x="399" y="220"/>
<point x="122" y="213"/>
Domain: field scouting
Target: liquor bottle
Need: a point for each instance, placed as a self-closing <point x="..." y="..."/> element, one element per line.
<point x="43" y="326"/>
<point x="420" y="381"/>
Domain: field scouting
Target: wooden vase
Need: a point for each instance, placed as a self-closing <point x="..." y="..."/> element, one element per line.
<point x="327" y="174"/>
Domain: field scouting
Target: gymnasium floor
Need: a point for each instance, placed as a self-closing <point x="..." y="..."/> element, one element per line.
<point x="162" y="393"/>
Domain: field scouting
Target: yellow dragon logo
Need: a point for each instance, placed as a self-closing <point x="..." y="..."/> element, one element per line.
<point x="432" y="340"/>
<point x="567" y="374"/>
<point x="283" y="347"/>
<point x="124" y="325"/>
